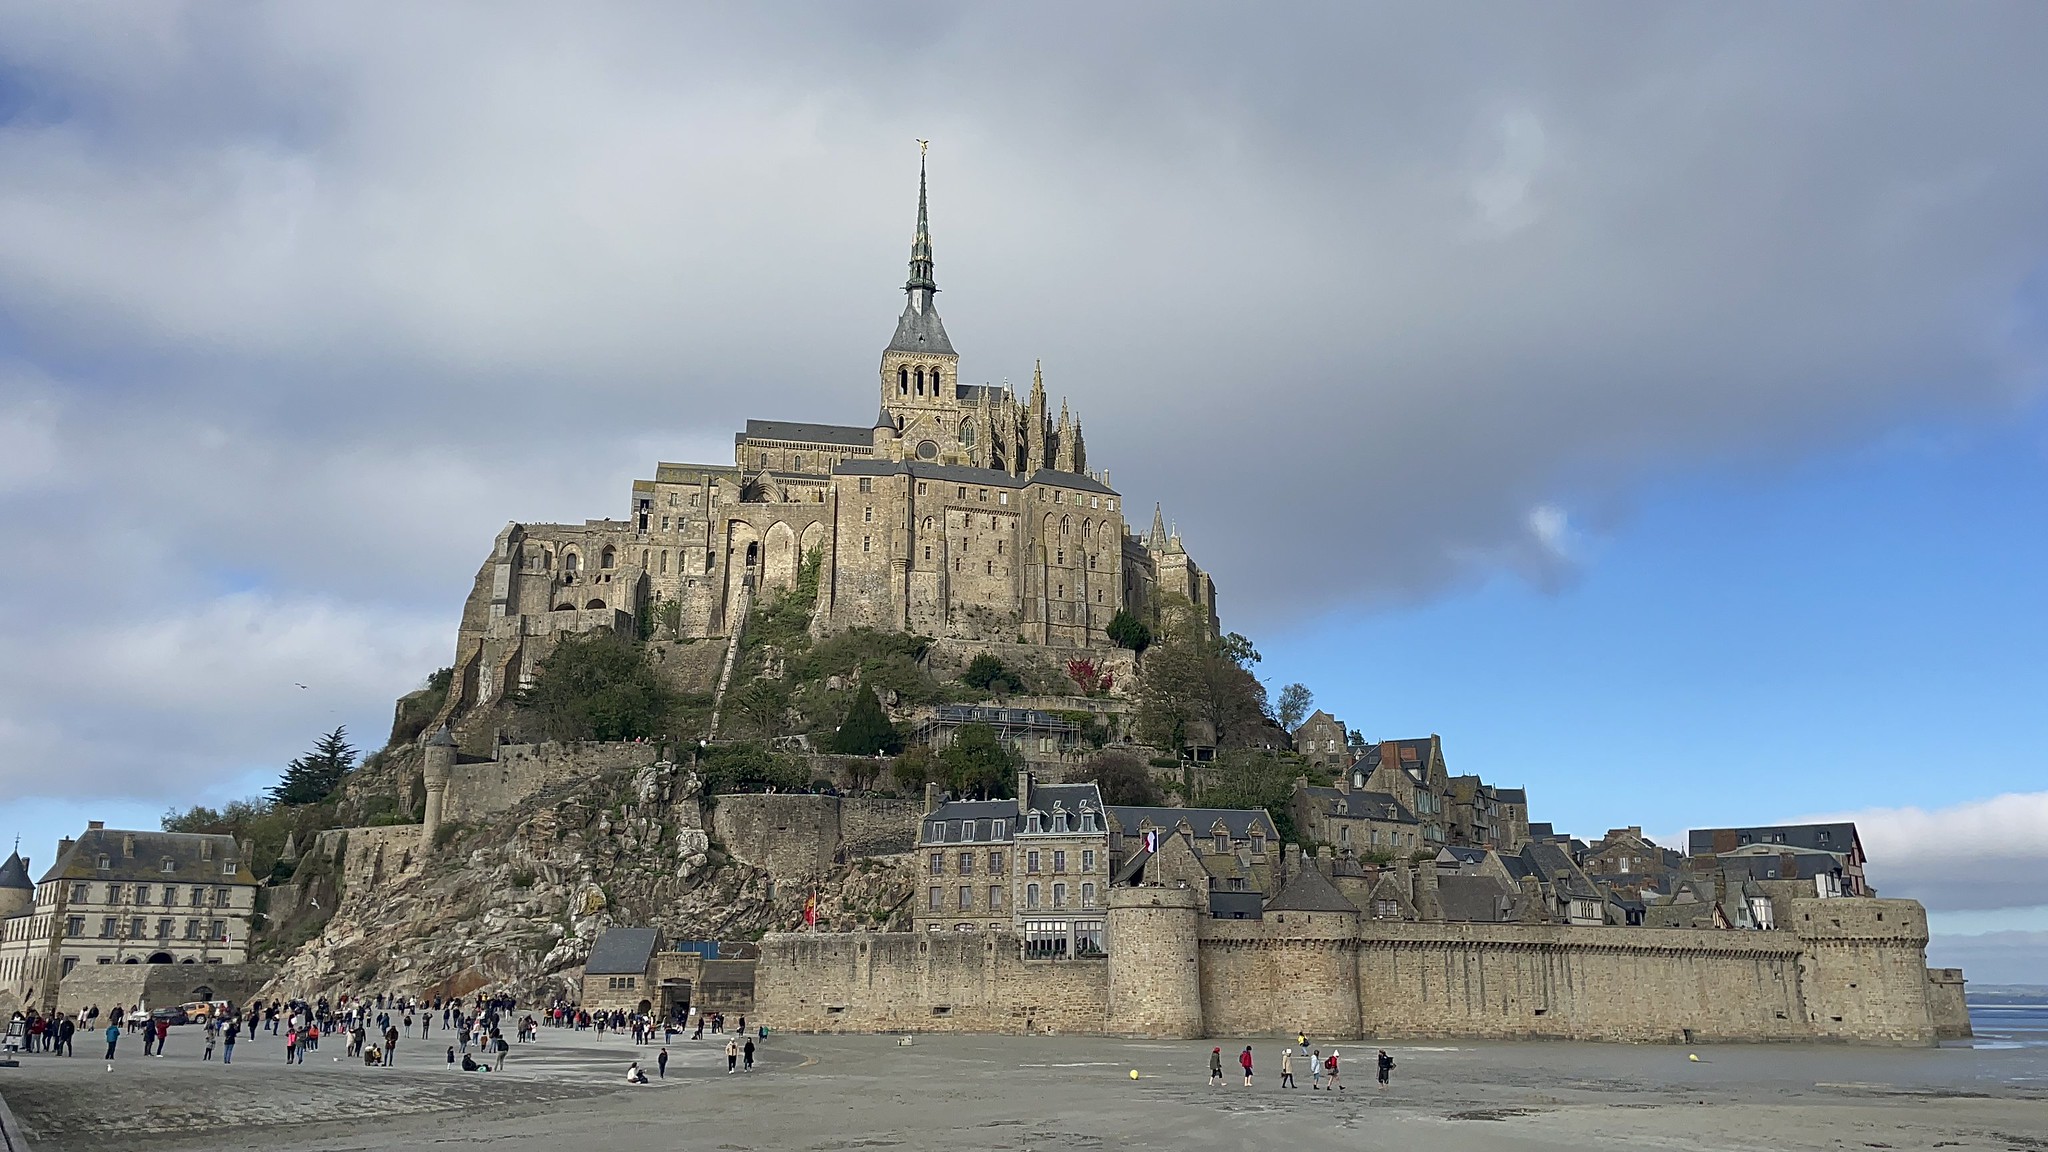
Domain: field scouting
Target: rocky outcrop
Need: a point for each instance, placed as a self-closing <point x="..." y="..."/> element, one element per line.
<point x="515" y="903"/>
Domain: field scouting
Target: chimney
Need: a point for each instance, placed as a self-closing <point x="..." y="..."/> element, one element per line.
<point x="931" y="797"/>
<point x="128" y="846"/>
<point x="1344" y="783"/>
<point x="95" y="825"/>
<point x="1427" y="904"/>
<point x="1023" y="794"/>
<point x="1290" y="861"/>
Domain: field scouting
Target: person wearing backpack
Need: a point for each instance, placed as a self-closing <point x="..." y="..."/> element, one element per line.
<point x="1244" y="1061"/>
<point x="1330" y="1066"/>
<point x="1386" y="1069"/>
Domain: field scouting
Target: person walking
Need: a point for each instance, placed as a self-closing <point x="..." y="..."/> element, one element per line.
<point x="1315" y="1070"/>
<point x="212" y="1034"/>
<point x="390" y="1044"/>
<point x="661" y="1065"/>
<point x="748" y="1053"/>
<point x="1301" y="1038"/>
<point x="113" y="1038"/>
<point x="291" y="1045"/>
<point x="65" y="1029"/>
<point x="1386" y="1069"/>
<point x="732" y="1056"/>
<point x="1330" y="1066"/>
<point x="163" y="1034"/>
<point x="1244" y="1060"/>
<point x="227" y="1046"/>
<point x="1215" y="1067"/>
<point x="1287" y="1067"/>
<point x="148" y="1037"/>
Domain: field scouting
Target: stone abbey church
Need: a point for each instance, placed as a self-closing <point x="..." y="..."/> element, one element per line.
<point x="960" y="512"/>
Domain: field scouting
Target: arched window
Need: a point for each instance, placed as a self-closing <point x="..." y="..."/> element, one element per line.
<point x="1065" y="523"/>
<point x="903" y="381"/>
<point x="606" y="558"/>
<point x="967" y="433"/>
<point x="927" y="523"/>
<point x="570" y="561"/>
<point x="920" y="381"/>
<point x="595" y="604"/>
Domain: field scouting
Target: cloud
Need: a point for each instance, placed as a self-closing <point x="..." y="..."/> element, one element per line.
<point x="1993" y="957"/>
<point x="310" y="301"/>
<point x="1983" y="854"/>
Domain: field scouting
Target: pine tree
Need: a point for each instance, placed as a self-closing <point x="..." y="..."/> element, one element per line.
<point x="866" y="729"/>
<point x="313" y="777"/>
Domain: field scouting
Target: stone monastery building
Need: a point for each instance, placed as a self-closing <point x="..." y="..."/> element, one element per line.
<point x="960" y="511"/>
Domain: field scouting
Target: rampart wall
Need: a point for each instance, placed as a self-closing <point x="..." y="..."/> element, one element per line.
<point x="1945" y="1004"/>
<point x="795" y="835"/>
<point x="158" y="985"/>
<point x="478" y="789"/>
<point x="923" y="982"/>
<point x="1850" y="970"/>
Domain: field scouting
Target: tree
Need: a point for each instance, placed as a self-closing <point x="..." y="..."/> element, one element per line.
<point x="761" y="706"/>
<point x="1253" y="778"/>
<point x="977" y="763"/>
<point x="1127" y="631"/>
<point x="1123" y="779"/>
<point x="988" y="673"/>
<point x="729" y="768"/>
<point x="1091" y="680"/>
<point x="1295" y="702"/>
<point x="313" y="777"/>
<point x="1239" y="650"/>
<point x="866" y="731"/>
<point x="1189" y="684"/>
<point x="597" y="686"/>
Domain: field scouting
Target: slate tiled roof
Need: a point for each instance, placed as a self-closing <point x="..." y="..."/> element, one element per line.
<point x="1360" y="805"/>
<point x="1308" y="891"/>
<point x="14" y="873"/>
<point x="194" y="858"/>
<point x="1239" y="821"/>
<point x="839" y="435"/>
<point x="1825" y="837"/>
<point x="1554" y="866"/>
<point x="961" y="474"/>
<point x="920" y="332"/>
<point x="1511" y="795"/>
<point x="622" y="951"/>
<point x="1476" y="898"/>
<point x="1234" y="905"/>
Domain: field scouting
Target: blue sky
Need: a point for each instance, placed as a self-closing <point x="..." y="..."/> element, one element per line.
<point x="1647" y="399"/>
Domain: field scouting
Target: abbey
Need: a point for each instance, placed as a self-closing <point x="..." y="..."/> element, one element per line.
<point x="961" y="511"/>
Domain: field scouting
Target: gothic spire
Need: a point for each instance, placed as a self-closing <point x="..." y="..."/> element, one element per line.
<point x="921" y="286"/>
<point x="1156" y="542"/>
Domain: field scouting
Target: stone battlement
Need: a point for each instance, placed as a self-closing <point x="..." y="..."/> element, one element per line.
<point x="1857" y="974"/>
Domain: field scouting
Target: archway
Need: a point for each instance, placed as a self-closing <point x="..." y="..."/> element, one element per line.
<point x="646" y="1006"/>
<point x="565" y="607"/>
<point x="159" y="958"/>
<point x="131" y="960"/>
<point x="779" y="569"/>
<point x="595" y="604"/>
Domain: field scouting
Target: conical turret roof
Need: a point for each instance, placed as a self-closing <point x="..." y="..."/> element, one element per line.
<point x="14" y="873"/>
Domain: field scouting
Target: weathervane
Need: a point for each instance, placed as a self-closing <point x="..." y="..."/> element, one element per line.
<point x="921" y="146"/>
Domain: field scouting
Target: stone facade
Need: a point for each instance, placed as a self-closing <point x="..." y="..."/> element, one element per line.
<point x="795" y="837"/>
<point x="122" y="897"/>
<point x="1851" y="970"/>
<point x="961" y="511"/>
<point x="1324" y="742"/>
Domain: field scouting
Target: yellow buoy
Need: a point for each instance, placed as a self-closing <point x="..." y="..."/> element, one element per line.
<point x="1693" y="1056"/>
<point x="1134" y="1073"/>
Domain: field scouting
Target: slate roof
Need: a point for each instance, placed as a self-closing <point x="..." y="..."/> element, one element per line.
<point x="1069" y="797"/>
<point x="841" y="435"/>
<point x="961" y="474"/>
<point x="1308" y="891"/>
<point x="1238" y="820"/>
<point x="920" y="332"/>
<point x="1554" y="866"/>
<point x="1361" y="805"/>
<point x="1234" y="905"/>
<point x="953" y="813"/>
<point x="1540" y="831"/>
<point x="14" y="873"/>
<point x="1477" y="898"/>
<point x="1825" y="837"/>
<point x="1511" y="795"/>
<point x="196" y="858"/>
<point x="621" y="952"/>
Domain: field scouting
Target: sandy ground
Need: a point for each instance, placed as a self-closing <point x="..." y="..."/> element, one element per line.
<point x="968" y="1092"/>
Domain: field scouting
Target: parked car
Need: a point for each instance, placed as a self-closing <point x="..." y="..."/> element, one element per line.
<point x="200" y="1011"/>
<point x="170" y="1016"/>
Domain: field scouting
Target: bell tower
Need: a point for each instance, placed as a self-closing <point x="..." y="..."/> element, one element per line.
<point x="920" y="370"/>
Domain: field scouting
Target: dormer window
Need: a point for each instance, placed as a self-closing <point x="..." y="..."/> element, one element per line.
<point x="104" y="863"/>
<point x="169" y="865"/>
<point x="227" y="868"/>
<point x="1222" y="842"/>
<point x="938" y="831"/>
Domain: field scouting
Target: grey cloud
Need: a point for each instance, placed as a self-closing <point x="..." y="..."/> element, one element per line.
<point x="1993" y="957"/>
<point x="309" y="301"/>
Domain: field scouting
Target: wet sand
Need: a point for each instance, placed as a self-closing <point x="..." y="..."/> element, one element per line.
<point x="971" y="1092"/>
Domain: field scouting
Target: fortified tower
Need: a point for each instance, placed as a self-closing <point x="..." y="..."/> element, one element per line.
<point x="1155" y="963"/>
<point x="1864" y="969"/>
<point x="17" y="891"/>
<point x="919" y="367"/>
<point x="437" y="759"/>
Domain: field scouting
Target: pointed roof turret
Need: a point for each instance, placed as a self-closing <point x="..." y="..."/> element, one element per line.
<point x="921" y="243"/>
<point x="919" y="328"/>
<point x="1156" y="541"/>
<point x="14" y="873"/>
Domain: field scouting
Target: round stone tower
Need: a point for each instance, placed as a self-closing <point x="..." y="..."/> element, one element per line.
<point x="17" y="891"/>
<point x="1155" y="965"/>
<point x="437" y="759"/>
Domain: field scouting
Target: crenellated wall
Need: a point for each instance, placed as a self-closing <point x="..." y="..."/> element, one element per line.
<point x="1846" y="969"/>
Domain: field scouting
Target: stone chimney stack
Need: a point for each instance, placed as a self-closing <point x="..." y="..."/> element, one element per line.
<point x="1532" y="902"/>
<point x="95" y="825"/>
<point x="1023" y="795"/>
<point x="1427" y="904"/>
<point x="1404" y="878"/>
<point x="931" y="797"/>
